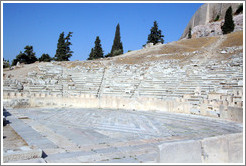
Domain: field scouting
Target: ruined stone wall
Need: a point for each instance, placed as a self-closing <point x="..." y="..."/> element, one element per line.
<point x="19" y="100"/>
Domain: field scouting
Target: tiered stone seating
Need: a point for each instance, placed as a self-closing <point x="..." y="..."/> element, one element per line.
<point x="46" y="80"/>
<point x="193" y="81"/>
<point x="120" y="81"/>
<point x="10" y="85"/>
<point x="85" y="81"/>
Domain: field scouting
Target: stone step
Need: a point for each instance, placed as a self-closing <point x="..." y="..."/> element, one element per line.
<point x="150" y="89"/>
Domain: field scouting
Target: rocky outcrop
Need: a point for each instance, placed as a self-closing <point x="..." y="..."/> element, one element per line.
<point x="207" y="13"/>
<point x="214" y="28"/>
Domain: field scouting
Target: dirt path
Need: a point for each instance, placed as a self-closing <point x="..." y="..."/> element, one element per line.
<point x="211" y="52"/>
<point x="11" y="139"/>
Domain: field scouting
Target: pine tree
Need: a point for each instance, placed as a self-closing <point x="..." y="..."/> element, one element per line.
<point x="229" y="25"/>
<point x="155" y="35"/>
<point x="63" y="52"/>
<point x="97" y="51"/>
<point x="189" y="34"/>
<point x="117" y="47"/>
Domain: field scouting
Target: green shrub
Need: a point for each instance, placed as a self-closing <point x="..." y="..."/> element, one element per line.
<point x="239" y="9"/>
<point x="45" y="58"/>
<point x="189" y="34"/>
<point x="117" y="52"/>
<point x="6" y="63"/>
<point x="108" y="55"/>
<point x="217" y="18"/>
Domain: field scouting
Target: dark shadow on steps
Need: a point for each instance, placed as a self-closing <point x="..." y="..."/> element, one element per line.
<point x="44" y="155"/>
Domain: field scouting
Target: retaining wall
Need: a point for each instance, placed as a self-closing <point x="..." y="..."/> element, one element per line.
<point x="178" y="105"/>
<point x="16" y="100"/>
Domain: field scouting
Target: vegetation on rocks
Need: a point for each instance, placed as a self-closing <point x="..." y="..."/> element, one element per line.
<point x="189" y="34"/>
<point x="5" y="63"/>
<point x="217" y="18"/>
<point x="239" y="9"/>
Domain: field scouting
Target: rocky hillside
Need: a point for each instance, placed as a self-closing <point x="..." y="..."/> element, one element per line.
<point x="206" y="14"/>
<point x="214" y="28"/>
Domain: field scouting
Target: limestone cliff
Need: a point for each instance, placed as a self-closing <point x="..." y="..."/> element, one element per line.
<point x="207" y="13"/>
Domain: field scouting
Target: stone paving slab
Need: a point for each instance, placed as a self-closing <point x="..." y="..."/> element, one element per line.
<point x="101" y="135"/>
<point x="29" y="134"/>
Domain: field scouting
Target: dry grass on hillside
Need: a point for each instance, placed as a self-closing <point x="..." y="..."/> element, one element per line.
<point x="175" y="49"/>
<point x="233" y="39"/>
<point x="167" y="51"/>
<point x="21" y="72"/>
<point x="198" y="43"/>
<point x="87" y="64"/>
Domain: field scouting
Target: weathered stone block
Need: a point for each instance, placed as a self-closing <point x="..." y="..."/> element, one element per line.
<point x="180" y="152"/>
<point x="235" y="114"/>
<point x="235" y="148"/>
<point x="214" y="150"/>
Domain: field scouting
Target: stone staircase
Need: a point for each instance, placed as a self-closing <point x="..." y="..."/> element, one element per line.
<point x="85" y="81"/>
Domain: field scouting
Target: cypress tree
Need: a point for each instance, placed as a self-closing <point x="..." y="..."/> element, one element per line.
<point x="239" y="9"/>
<point x="229" y="25"/>
<point x="63" y="52"/>
<point x="67" y="46"/>
<point x="189" y="33"/>
<point x="117" y="47"/>
<point x="60" y="51"/>
<point x="98" y="51"/>
<point x="155" y="35"/>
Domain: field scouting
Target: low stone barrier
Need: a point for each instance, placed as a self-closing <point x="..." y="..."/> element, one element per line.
<point x="178" y="105"/>
<point x="218" y="149"/>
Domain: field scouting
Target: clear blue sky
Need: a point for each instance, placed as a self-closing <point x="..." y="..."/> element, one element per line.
<point x="39" y="25"/>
